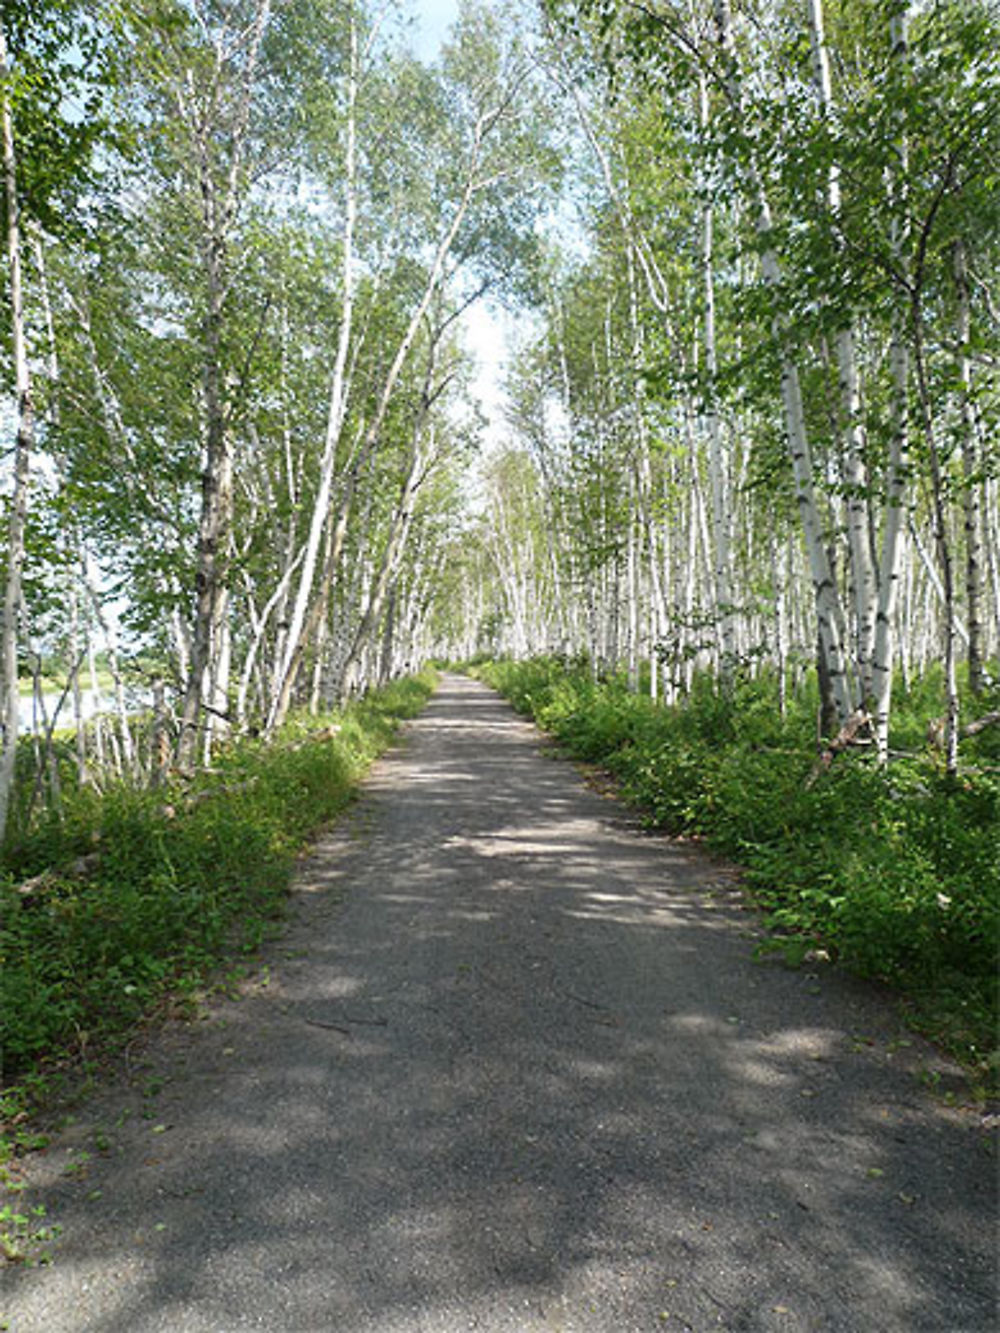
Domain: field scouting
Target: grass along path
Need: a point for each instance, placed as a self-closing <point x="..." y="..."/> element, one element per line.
<point x="515" y="1068"/>
<point x="895" y="874"/>
<point x="177" y="881"/>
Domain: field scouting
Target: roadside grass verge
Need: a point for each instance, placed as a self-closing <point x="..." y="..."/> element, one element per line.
<point x="179" y="881"/>
<point x="895" y="873"/>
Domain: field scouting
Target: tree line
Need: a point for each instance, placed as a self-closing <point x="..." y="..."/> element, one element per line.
<point x="752" y="420"/>
<point x="241" y="237"/>
<point x="758" y="426"/>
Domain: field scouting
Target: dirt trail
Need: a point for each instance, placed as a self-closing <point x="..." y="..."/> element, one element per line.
<point x="515" y="1069"/>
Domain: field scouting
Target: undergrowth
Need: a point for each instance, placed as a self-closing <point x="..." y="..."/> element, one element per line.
<point x="180" y="879"/>
<point x="895" y="873"/>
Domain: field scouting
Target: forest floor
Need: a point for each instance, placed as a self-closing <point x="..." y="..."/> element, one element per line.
<point x="514" y="1067"/>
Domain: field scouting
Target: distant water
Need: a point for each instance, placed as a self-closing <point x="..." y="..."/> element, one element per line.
<point x="99" y="703"/>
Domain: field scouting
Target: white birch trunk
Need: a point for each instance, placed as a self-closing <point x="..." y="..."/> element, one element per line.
<point x="898" y="468"/>
<point x="114" y="666"/>
<point x="828" y="611"/>
<point x="658" y="606"/>
<point x="991" y="529"/>
<point x="721" y="522"/>
<point x="399" y="530"/>
<point x="23" y="448"/>
<point x="220" y="203"/>
<point x="971" y="483"/>
<point x="851" y="428"/>
<point x="339" y="393"/>
<point x="632" y="592"/>
<point x="433" y="283"/>
<point x="779" y="576"/>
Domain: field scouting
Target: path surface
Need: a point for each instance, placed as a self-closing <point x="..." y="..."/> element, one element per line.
<point x="516" y="1070"/>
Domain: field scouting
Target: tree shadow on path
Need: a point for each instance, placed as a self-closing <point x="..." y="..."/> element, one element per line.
<point x="517" y="1069"/>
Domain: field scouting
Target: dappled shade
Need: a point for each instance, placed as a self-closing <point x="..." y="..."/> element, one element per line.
<point x="516" y="1068"/>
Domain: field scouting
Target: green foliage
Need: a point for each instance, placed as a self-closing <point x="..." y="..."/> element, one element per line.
<point x="62" y="63"/>
<point x="183" y="878"/>
<point x="894" y="872"/>
<point x="23" y="1234"/>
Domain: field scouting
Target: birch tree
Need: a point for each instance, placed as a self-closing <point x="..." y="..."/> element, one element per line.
<point x="24" y="445"/>
<point x="479" y="146"/>
<point x="213" y="92"/>
<point x="46" y="164"/>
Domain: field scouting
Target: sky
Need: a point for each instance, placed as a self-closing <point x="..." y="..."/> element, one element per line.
<point x="434" y="17"/>
<point x="484" y="328"/>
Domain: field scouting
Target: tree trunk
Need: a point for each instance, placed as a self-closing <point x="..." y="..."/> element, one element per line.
<point x="971" y="486"/>
<point x="721" y="522"/>
<point x="220" y="202"/>
<point x="899" y="453"/>
<point x="829" y="614"/>
<point x="399" y="530"/>
<point x="23" y="448"/>
<point x="850" y="424"/>
<point x="951" y="734"/>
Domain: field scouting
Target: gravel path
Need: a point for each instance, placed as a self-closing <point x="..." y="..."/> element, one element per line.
<point x="514" y="1068"/>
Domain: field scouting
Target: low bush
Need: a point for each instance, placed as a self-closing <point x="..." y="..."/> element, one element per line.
<point x="894" y="872"/>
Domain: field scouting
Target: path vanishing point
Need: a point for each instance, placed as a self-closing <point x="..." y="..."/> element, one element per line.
<point x="514" y="1067"/>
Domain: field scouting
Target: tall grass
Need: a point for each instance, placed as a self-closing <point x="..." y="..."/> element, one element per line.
<point x="894" y="872"/>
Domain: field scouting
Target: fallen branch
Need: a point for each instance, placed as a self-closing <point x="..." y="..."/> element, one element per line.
<point x="81" y="868"/>
<point x="981" y="723"/>
<point x="849" y="735"/>
<point x="314" y="737"/>
<point x="935" y="728"/>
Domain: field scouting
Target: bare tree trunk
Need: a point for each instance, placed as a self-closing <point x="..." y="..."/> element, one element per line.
<point x="951" y="734"/>
<point x="896" y="496"/>
<point x="632" y="557"/>
<point x="220" y="204"/>
<point x="850" y="424"/>
<point x="721" y="522"/>
<point x="77" y="656"/>
<point x="991" y="529"/>
<point x="114" y="666"/>
<point x="971" y="491"/>
<point x="337" y="410"/>
<point x="399" y="530"/>
<point x="779" y="578"/>
<point x="829" y="613"/>
<point x="281" y="697"/>
<point x="23" y="448"/>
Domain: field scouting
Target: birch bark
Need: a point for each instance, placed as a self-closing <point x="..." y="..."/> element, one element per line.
<point x="898" y="461"/>
<point x="220" y="203"/>
<point x="971" y="484"/>
<point x="399" y="530"/>
<point x="829" y="613"/>
<point x="721" y="522"/>
<point x="339" y="392"/>
<point x="938" y="484"/>
<point x="850" y="424"/>
<point x="435" y="278"/>
<point x="23" y="448"/>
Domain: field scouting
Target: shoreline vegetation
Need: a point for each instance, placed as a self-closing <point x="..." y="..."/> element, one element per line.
<point x="129" y="901"/>
<point x="892" y="872"/>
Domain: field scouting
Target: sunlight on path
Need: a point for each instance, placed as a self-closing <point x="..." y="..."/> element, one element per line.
<point x="514" y="1068"/>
